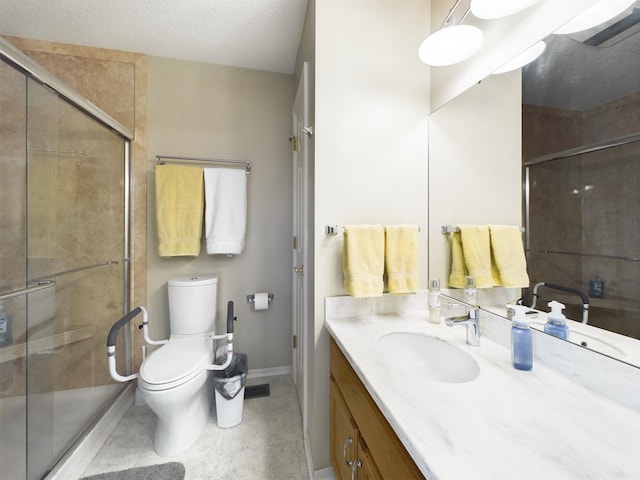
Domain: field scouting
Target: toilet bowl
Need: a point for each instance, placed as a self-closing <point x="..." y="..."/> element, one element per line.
<point x="179" y="390"/>
<point x="174" y="380"/>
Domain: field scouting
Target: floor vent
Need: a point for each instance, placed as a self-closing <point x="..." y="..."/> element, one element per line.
<point x="253" y="391"/>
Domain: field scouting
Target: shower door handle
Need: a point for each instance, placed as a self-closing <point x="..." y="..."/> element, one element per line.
<point x="39" y="286"/>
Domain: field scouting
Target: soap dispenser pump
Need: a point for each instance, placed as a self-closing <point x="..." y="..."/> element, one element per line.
<point x="556" y="322"/>
<point x="521" y="340"/>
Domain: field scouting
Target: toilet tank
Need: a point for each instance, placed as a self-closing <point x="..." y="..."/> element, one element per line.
<point x="192" y="304"/>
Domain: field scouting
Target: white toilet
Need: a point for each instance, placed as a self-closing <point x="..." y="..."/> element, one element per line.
<point x="173" y="380"/>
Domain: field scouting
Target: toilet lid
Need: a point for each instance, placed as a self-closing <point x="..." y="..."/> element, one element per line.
<point x="179" y="358"/>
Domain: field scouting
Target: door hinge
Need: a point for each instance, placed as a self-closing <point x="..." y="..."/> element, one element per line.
<point x="294" y="142"/>
<point x="295" y="341"/>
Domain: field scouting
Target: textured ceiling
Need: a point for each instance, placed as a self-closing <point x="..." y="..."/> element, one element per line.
<point x="258" y="34"/>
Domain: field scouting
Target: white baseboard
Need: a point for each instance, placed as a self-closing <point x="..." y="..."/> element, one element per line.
<point x="74" y="463"/>
<point x="325" y="473"/>
<point x="269" y="372"/>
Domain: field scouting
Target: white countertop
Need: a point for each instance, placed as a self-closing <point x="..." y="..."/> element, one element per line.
<point x="505" y="424"/>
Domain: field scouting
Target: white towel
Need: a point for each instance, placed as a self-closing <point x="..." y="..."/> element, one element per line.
<point x="225" y="216"/>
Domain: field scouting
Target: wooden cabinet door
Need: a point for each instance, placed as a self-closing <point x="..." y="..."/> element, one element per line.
<point x="366" y="469"/>
<point x="344" y="436"/>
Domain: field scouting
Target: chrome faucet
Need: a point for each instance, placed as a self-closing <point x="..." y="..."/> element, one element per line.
<point x="470" y="320"/>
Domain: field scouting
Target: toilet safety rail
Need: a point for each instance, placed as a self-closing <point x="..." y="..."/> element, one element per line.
<point x="113" y="336"/>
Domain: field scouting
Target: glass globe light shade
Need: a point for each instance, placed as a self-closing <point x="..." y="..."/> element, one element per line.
<point x="450" y="45"/>
<point x="528" y="56"/>
<point x="492" y="9"/>
<point x="595" y="15"/>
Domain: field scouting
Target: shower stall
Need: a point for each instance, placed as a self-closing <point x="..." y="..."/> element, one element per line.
<point x="64" y="261"/>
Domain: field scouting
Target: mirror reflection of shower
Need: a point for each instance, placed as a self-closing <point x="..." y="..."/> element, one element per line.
<point x="581" y="154"/>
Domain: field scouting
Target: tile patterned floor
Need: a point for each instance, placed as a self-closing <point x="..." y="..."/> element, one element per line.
<point x="267" y="444"/>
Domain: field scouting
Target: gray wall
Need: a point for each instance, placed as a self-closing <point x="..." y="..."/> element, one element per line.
<point x="204" y="110"/>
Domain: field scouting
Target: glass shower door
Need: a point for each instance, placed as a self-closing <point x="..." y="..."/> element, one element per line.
<point x="62" y="272"/>
<point x="13" y="234"/>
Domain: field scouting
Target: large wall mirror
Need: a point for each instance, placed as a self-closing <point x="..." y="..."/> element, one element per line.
<point x="565" y="164"/>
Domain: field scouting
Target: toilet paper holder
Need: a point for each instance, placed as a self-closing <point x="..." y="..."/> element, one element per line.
<point x="251" y="297"/>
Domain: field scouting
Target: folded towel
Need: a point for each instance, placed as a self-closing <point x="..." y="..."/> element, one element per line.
<point x="508" y="253"/>
<point x="401" y="258"/>
<point x="363" y="260"/>
<point x="476" y="248"/>
<point x="458" y="268"/>
<point x="179" y="208"/>
<point x="226" y="210"/>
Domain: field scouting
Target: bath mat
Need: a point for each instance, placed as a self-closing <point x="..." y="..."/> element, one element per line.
<point x="164" y="471"/>
<point x="253" y="391"/>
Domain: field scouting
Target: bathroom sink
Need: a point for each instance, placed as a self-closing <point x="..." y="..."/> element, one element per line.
<point x="595" y="344"/>
<point x="428" y="357"/>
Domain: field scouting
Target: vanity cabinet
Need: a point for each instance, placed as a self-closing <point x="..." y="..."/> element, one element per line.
<point x="363" y="444"/>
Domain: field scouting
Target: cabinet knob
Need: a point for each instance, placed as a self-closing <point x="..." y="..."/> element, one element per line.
<point x="347" y="442"/>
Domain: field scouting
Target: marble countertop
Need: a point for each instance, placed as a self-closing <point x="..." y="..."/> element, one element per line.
<point x="505" y="424"/>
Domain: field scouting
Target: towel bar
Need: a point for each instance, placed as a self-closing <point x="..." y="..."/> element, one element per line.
<point x="336" y="229"/>
<point x="163" y="158"/>
<point x="453" y="228"/>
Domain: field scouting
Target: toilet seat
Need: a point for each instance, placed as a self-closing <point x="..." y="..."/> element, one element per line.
<point x="176" y="362"/>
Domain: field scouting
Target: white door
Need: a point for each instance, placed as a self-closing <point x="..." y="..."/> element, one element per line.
<point x="300" y="148"/>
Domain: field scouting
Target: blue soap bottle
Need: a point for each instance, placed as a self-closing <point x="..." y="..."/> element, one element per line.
<point x="521" y="340"/>
<point x="556" y="322"/>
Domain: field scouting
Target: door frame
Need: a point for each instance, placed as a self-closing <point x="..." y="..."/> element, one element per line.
<point x="300" y="251"/>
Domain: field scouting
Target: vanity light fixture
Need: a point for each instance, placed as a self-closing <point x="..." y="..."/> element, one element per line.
<point x="492" y="9"/>
<point x="526" y="57"/>
<point x="451" y="43"/>
<point x="595" y="15"/>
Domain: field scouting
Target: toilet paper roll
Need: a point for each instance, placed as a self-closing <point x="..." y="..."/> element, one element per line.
<point x="261" y="301"/>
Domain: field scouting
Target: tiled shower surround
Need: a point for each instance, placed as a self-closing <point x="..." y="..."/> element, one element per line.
<point x="585" y="207"/>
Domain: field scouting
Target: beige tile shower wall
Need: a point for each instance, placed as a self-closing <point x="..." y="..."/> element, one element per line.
<point x="12" y="179"/>
<point x="117" y="83"/>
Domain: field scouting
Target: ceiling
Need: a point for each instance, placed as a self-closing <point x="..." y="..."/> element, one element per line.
<point x="257" y="34"/>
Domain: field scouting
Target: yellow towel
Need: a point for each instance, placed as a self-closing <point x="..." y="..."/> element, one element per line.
<point x="363" y="260"/>
<point x="476" y="248"/>
<point x="179" y="210"/>
<point x="401" y="258"/>
<point x="508" y="252"/>
<point x="458" y="269"/>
